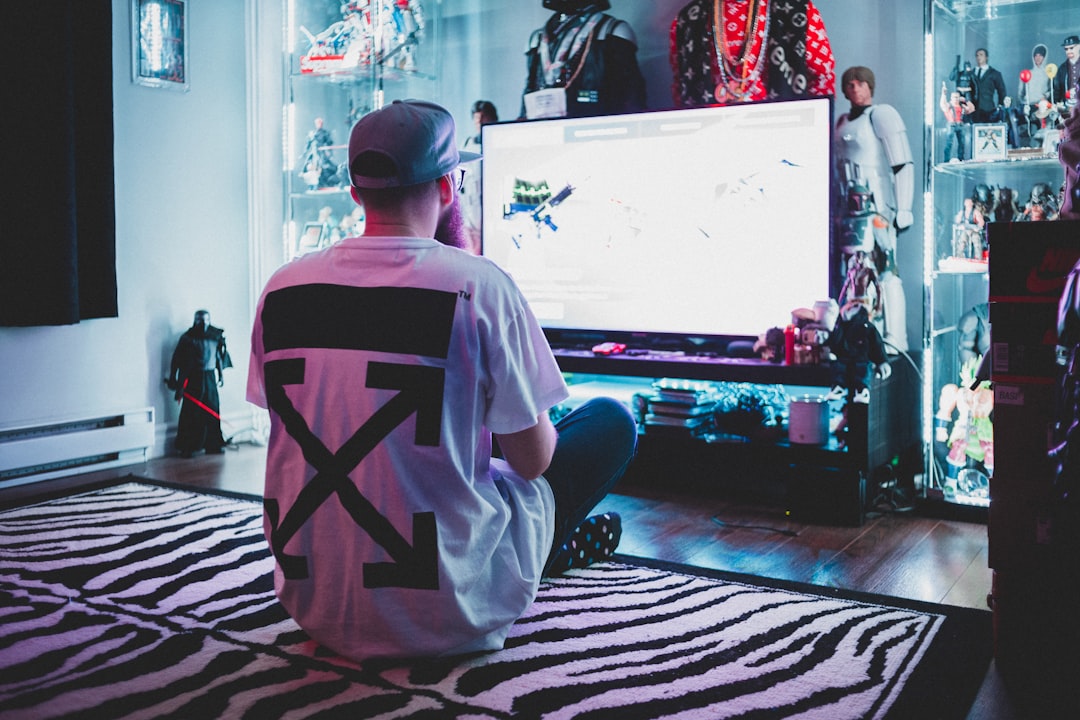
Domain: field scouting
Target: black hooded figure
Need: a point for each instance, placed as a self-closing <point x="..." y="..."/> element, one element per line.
<point x="585" y="57"/>
<point x="194" y="376"/>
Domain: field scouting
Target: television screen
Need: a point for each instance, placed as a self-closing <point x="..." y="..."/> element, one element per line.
<point x="693" y="223"/>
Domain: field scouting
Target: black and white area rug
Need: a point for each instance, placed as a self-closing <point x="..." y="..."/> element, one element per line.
<point x="145" y="601"/>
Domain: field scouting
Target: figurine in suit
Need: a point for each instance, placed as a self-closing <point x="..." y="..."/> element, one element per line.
<point x="1067" y="78"/>
<point x="989" y="87"/>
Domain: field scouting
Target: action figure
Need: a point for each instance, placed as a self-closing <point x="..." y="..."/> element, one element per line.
<point x="872" y="155"/>
<point x="1042" y="204"/>
<point x="969" y="444"/>
<point x="861" y="280"/>
<point x="195" y="376"/>
<point x="989" y="87"/>
<point x="386" y="33"/>
<point x="317" y="166"/>
<point x="583" y="62"/>
<point x="968" y="240"/>
<point x="402" y="34"/>
<point x="1011" y="117"/>
<point x="965" y="80"/>
<point x="1066" y="83"/>
<point x="860" y="352"/>
<point x="1034" y="82"/>
<point x="1006" y="208"/>
<point x="757" y="50"/>
<point x="956" y="109"/>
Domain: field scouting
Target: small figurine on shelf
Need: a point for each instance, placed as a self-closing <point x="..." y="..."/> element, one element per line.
<point x="983" y="196"/>
<point x="955" y="109"/>
<point x="352" y="225"/>
<point x="317" y="166"/>
<point x="344" y="45"/>
<point x="1066" y="81"/>
<point x="1013" y="120"/>
<point x="964" y="77"/>
<point x="330" y="233"/>
<point x="989" y="87"/>
<point x="812" y="327"/>
<point x="969" y="214"/>
<point x="968" y="232"/>
<point x="408" y="21"/>
<point x="1006" y="208"/>
<point x="1034" y="88"/>
<point x="1042" y="204"/>
<point x="969" y="443"/>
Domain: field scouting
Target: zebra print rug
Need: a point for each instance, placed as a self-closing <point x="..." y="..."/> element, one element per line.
<point x="145" y="601"/>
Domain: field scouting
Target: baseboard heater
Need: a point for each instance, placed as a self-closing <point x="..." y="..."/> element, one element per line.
<point x="30" y="453"/>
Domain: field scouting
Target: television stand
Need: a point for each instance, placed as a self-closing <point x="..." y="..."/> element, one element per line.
<point x="820" y="483"/>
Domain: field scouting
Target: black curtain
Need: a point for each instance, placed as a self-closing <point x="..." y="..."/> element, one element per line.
<point x="58" y="222"/>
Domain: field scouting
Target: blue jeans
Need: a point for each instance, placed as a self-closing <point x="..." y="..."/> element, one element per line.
<point x="596" y="443"/>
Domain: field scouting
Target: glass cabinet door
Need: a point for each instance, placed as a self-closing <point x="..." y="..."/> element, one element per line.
<point x="343" y="59"/>
<point x="997" y="164"/>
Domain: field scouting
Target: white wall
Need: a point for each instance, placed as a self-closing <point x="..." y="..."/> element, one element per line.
<point x="193" y="231"/>
<point x="181" y="239"/>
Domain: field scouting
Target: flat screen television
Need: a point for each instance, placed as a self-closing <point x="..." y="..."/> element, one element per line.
<point x="695" y="225"/>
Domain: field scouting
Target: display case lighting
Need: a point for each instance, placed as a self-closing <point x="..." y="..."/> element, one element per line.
<point x="290" y="27"/>
<point x="288" y="140"/>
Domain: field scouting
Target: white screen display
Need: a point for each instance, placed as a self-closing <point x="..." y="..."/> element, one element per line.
<point x="711" y="221"/>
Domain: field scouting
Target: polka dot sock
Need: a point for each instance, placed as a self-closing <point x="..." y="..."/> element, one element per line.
<point x="592" y="541"/>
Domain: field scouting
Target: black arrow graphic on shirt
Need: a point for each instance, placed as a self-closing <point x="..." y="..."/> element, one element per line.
<point x="420" y="392"/>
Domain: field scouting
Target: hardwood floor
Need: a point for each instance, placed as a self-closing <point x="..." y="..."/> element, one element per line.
<point x="909" y="555"/>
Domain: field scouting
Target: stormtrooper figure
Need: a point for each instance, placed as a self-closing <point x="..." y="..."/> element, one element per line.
<point x="876" y="173"/>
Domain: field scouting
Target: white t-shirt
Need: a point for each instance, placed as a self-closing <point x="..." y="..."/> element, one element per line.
<point x="386" y="364"/>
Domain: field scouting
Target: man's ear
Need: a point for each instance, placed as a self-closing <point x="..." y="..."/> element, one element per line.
<point x="446" y="190"/>
<point x="355" y="195"/>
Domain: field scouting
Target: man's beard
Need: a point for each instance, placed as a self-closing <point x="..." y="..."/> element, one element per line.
<point x="451" y="229"/>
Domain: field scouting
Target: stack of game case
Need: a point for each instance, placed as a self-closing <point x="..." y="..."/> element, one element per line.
<point x="683" y="406"/>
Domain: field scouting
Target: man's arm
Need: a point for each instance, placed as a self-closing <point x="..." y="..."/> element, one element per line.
<point x="529" y="451"/>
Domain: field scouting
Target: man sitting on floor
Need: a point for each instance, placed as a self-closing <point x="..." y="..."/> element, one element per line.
<point x="387" y="362"/>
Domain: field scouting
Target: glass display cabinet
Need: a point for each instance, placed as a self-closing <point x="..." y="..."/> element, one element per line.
<point x="343" y="60"/>
<point x="999" y="165"/>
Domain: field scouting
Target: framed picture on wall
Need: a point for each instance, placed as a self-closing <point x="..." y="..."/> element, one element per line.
<point x="159" y="55"/>
<point x="988" y="142"/>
